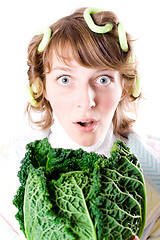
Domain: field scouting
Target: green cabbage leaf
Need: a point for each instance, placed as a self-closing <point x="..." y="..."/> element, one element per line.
<point x="72" y="194"/>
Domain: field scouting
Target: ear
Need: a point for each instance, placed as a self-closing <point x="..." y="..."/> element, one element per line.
<point x="46" y="95"/>
<point x="123" y="94"/>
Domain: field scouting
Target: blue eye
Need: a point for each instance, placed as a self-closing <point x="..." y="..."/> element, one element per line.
<point x="64" y="80"/>
<point x="104" y="80"/>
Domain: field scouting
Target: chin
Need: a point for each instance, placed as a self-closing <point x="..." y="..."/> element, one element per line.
<point x="86" y="142"/>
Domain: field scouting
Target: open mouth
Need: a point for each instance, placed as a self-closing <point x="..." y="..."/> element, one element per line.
<point x="86" y="126"/>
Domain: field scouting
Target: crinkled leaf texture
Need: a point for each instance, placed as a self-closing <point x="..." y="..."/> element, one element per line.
<point x="83" y="196"/>
<point x="39" y="219"/>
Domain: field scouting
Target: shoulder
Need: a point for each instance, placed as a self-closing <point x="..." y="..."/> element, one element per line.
<point x="17" y="145"/>
<point x="148" y="143"/>
<point x="13" y="151"/>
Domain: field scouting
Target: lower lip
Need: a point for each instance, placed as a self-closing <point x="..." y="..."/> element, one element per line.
<point x="88" y="129"/>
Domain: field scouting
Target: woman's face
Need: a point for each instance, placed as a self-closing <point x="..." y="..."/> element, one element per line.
<point x="83" y="99"/>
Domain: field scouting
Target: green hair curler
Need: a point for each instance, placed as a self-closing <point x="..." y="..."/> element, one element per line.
<point x="30" y="97"/>
<point x="106" y="28"/>
<point x="122" y="37"/>
<point x="47" y="34"/>
<point x="95" y="28"/>
<point x="136" y="92"/>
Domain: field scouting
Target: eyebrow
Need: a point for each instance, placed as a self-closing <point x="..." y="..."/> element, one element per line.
<point x="71" y="69"/>
<point x="62" y="68"/>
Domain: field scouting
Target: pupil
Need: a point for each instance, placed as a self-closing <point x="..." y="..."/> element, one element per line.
<point x="65" y="80"/>
<point x="103" y="80"/>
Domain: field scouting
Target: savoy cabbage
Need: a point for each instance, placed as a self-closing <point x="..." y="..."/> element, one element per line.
<point x="72" y="194"/>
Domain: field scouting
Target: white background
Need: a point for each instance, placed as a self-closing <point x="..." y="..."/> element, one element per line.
<point x="20" y="21"/>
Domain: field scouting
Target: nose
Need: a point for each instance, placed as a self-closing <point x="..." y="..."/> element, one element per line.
<point x="85" y="98"/>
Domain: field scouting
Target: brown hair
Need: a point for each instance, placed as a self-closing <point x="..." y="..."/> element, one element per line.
<point x="89" y="49"/>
